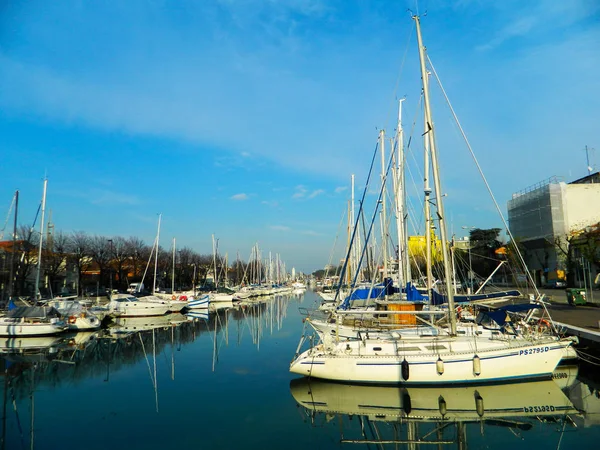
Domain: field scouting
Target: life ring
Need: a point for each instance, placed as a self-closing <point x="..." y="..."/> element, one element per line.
<point x="72" y="319"/>
<point x="173" y="297"/>
<point x="183" y="298"/>
<point x="544" y="322"/>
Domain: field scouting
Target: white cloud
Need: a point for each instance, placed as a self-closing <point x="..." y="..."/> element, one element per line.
<point x="241" y="196"/>
<point x="301" y="192"/>
<point x="279" y="228"/>
<point x="340" y="189"/>
<point x="271" y="203"/>
<point x="310" y="233"/>
<point x="315" y="193"/>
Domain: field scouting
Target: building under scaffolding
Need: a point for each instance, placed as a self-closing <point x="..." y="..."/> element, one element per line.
<point x="542" y="216"/>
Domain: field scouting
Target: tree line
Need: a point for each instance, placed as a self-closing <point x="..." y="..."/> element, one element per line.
<point x="85" y="262"/>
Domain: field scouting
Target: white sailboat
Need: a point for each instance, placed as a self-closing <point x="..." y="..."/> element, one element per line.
<point x="174" y="302"/>
<point x="433" y="357"/>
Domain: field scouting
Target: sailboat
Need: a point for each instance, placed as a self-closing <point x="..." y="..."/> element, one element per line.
<point x="424" y="355"/>
<point x="31" y="320"/>
<point x="175" y="303"/>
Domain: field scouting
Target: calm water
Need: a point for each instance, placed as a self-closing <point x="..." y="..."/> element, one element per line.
<point x="224" y="383"/>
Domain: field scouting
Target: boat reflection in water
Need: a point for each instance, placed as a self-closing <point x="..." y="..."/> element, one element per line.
<point x="429" y="415"/>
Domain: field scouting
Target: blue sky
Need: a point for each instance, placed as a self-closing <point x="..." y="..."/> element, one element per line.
<point x="246" y="118"/>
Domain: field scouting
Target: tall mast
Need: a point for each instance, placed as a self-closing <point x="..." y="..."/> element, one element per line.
<point x="173" y="276"/>
<point x="402" y="160"/>
<point x="354" y="244"/>
<point x="401" y="230"/>
<point x="156" y="255"/>
<point x="14" y="247"/>
<point x="427" y="189"/>
<point x="436" y="180"/>
<point x="36" y="291"/>
<point x="350" y="262"/>
<point x="383" y="209"/>
<point x="214" y="261"/>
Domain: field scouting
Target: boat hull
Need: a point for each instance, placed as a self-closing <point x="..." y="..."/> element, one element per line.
<point x="386" y="362"/>
<point x="199" y="303"/>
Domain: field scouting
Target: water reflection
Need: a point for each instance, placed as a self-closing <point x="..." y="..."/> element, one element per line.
<point x="442" y="415"/>
<point x="37" y="363"/>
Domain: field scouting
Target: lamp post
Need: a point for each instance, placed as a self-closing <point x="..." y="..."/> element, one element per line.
<point x="110" y="265"/>
<point x="465" y="227"/>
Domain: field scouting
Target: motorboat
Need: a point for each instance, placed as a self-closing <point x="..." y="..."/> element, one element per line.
<point x="127" y="305"/>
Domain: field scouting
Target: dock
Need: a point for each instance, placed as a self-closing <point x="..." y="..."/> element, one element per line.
<point x="582" y="321"/>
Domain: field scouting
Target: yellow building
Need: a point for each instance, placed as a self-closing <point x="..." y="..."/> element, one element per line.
<point x="417" y="248"/>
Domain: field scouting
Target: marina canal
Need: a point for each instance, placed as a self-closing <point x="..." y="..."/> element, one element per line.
<point x="223" y="382"/>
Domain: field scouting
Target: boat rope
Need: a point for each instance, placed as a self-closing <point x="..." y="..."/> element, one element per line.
<point x="12" y="203"/>
<point x="334" y="244"/>
<point x="587" y="357"/>
<point x="395" y="92"/>
<point x="373" y="219"/>
<point x="489" y="189"/>
<point x="361" y="203"/>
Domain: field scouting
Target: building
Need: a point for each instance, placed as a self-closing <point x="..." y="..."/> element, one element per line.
<point x="545" y="216"/>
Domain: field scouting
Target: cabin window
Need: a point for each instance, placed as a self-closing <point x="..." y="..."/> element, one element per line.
<point x="410" y="349"/>
<point x="436" y="347"/>
<point x="377" y="349"/>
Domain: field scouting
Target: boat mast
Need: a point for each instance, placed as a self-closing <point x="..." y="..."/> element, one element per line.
<point x="403" y="262"/>
<point x="173" y="276"/>
<point x="14" y="246"/>
<point x="156" y="255"/>
<point x="436" y="180"/>
<point x="36" y="291"/>
<point x="354" y="245"/>
<point x="427" y="189"/>
<point x="383" y="209"/>
<point x="215" y="278"/>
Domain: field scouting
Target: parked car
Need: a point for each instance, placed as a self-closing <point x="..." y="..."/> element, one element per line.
<point x="556" y="284"/>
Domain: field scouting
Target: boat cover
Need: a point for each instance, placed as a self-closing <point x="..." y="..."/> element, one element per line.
<point x="439" y="299"/>
<point x="33" y="312"/>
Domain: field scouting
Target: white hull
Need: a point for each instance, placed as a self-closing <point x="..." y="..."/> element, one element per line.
<point x="218" y="297"/>
<point x="17" y="327"/>
<point x="127" y="306"/>
<point x="87" y="322"/>
<point x="384" y="361"/>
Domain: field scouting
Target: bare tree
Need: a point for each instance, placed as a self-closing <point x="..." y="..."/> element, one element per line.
<point x="79" y="244"/>
<point x="138" y="253"/>
<point x="27" y="246"/>
<point x="55" y="259"/>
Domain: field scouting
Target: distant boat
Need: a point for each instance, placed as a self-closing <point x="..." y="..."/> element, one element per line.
<point x="126" y="305"/>
<point x="76" y="316"/>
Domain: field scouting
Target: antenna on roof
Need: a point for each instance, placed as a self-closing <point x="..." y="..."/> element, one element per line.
<point x="587" y="157"/>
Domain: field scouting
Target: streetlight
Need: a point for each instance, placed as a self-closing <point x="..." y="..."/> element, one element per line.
<point x="465" y="227"/>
